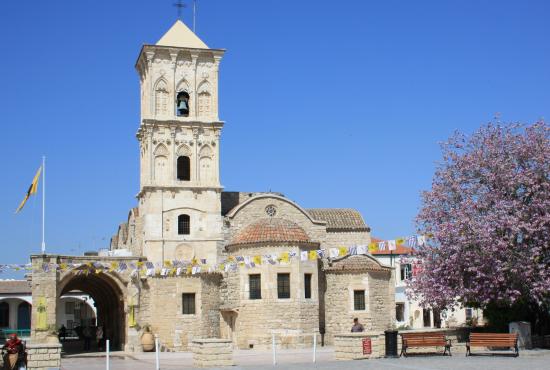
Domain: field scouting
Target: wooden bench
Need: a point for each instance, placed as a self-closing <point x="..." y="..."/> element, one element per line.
<point x="494" y="340"/>
<point x="425" y="339"/>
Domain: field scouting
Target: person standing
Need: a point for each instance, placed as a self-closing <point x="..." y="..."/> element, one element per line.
<point x="99" y="337"/>
<point x="87" y="333"/>
<point x="14" y="353"/>
<point x="357" y="327"/>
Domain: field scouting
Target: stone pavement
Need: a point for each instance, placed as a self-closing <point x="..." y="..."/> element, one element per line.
<point x="302" y="359"/>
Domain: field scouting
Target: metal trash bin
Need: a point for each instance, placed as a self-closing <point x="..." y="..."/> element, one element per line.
<point x="391" y="343"/>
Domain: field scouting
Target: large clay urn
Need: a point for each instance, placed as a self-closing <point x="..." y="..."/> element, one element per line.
<point x="147" y="340"/>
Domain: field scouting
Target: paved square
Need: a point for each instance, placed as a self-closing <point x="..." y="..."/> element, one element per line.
<point x="302" y="359"/>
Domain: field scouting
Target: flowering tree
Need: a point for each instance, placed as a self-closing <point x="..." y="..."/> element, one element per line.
<point x="488" y="218"/>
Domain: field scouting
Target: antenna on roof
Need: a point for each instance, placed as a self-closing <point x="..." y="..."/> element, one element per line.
<point x="180" y="5"/>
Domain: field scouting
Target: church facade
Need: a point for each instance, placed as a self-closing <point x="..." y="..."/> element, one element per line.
<point x="183" y="214"/>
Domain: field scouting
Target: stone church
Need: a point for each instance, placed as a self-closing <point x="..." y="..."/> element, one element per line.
<point x="184" y="214"/>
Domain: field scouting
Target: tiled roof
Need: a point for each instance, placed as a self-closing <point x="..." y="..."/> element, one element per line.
<point x="339" y="219"/>
<point x="356" y="263"/>
<point x="400" y="249"/>
<point x="15" y="287"/>
<point x="271" y="230"/>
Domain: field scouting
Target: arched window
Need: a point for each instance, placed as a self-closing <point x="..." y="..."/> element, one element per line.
<point x="184" y="225"/>
<point x="184" y="168"/>
<point x="182" y="104"/>
<point x="4" y="315"/>
<point x="204" y="104"/>
<point x="160" y="164"/>
<point x="205" y="164"/>
<point x="24" y="316"/>
<point x="204" y="100"/>
<point x="161" y="98"/>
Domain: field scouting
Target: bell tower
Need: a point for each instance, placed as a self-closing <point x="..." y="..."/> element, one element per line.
<point x="179" y="137"/>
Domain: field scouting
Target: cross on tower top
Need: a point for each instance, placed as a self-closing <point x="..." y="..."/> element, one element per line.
<point x="179" y="5"/>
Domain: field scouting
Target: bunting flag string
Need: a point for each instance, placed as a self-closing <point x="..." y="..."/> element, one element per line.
<point x="146" y="269"/>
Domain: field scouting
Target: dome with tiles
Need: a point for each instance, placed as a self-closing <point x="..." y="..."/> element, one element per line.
<point x="271" y="230"/>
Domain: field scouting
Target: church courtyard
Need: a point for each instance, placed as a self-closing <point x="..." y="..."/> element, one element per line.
<point x="302" y="359"/>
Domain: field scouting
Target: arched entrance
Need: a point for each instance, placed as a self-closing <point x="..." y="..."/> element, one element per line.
<point x="109" y="303"/>
<point x="24" y="316"/>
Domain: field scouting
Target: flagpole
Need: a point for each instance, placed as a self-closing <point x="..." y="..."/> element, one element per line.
<point x="43" y="202"/>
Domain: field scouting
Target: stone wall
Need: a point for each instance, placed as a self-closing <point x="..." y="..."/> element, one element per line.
<point x="161" y="307"/>
<point x="254" y="209"/>
<point x="212" y="352"/>
<point x="339" y="308"/>
<point x="349" y="346"/>
<point x="43" y="356"/>
<point x="348" y="239"/>
<point x="293" y="320"/>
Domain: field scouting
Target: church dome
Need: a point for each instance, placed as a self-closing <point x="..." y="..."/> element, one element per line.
<point x="271" y="230"/>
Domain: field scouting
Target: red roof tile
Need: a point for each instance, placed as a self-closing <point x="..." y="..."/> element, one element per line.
<point x="271" y="230"/>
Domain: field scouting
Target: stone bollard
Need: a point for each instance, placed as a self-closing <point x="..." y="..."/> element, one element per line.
<point x="43" y="356"/>
<point x="212" y="352"/>
<point x="349" y="346"/>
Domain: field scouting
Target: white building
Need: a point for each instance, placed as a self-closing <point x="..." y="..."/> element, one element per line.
<point x="16" y="303"/>
<point x="408" y="313"/>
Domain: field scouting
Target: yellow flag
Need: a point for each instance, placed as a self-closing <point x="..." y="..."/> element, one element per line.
<point x="257" y="260"/>
<point x="114" y="266"/>
<point x="342" y="251"/>
<point x="372" y="247"/>
<point x="42" y="323"/>
<point x="132" y="317"/>
<point x="285" y="257"/>
<point x="312" y="255"/>
<point x="399" y="241"/>
<point x="32" y="189"/>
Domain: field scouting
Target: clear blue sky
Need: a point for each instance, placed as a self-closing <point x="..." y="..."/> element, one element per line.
<point x="333" y="103"/>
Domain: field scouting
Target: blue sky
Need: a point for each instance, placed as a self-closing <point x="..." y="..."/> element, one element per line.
<point x="333" y="103"/>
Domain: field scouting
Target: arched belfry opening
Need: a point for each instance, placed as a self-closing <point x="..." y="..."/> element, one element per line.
<point x="109" y="303"/>
<point x="182" y="104"/>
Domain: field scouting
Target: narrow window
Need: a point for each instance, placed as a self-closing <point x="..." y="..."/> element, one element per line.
<point x="182" y="104"/>
<point x="188" y="303"/>
<point x="255" y="286"/>
<point x="359" y="300"/>
<point x="307" y="285"/>
<point x="184" y="168"/>
<point x="406" y="271"/>
<point x="283" y="286"/>
<point x="469" y="313"/>
<point x="184" y="225"/>
<point x="4" y="315"/>
<point x="400" y="312"/>
<point x="427" y="320"/>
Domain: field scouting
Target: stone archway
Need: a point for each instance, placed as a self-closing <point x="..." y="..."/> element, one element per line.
<point x="109" y="302"/>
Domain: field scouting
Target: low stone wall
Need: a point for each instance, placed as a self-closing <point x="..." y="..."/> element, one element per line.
<point x="349" y="346"/>
<point x="212" y="352"/>
<point x="43" y="356"/>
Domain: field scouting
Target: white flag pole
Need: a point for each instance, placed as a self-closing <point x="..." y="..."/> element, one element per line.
<point x="43" y="202"/>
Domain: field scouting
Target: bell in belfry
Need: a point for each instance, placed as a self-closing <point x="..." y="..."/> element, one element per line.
<point x="183" y="108"/>
<point x="183" y="104"/>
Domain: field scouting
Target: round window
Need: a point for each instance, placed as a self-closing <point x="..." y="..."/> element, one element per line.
<point x="271" y="210"/>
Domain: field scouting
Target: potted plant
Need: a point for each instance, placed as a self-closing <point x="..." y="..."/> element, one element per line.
<point x="147" y="339"/>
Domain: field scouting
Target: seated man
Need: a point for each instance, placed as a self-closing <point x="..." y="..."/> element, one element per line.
<point x="357" y="327"/>
<point x="13" y="353"/>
